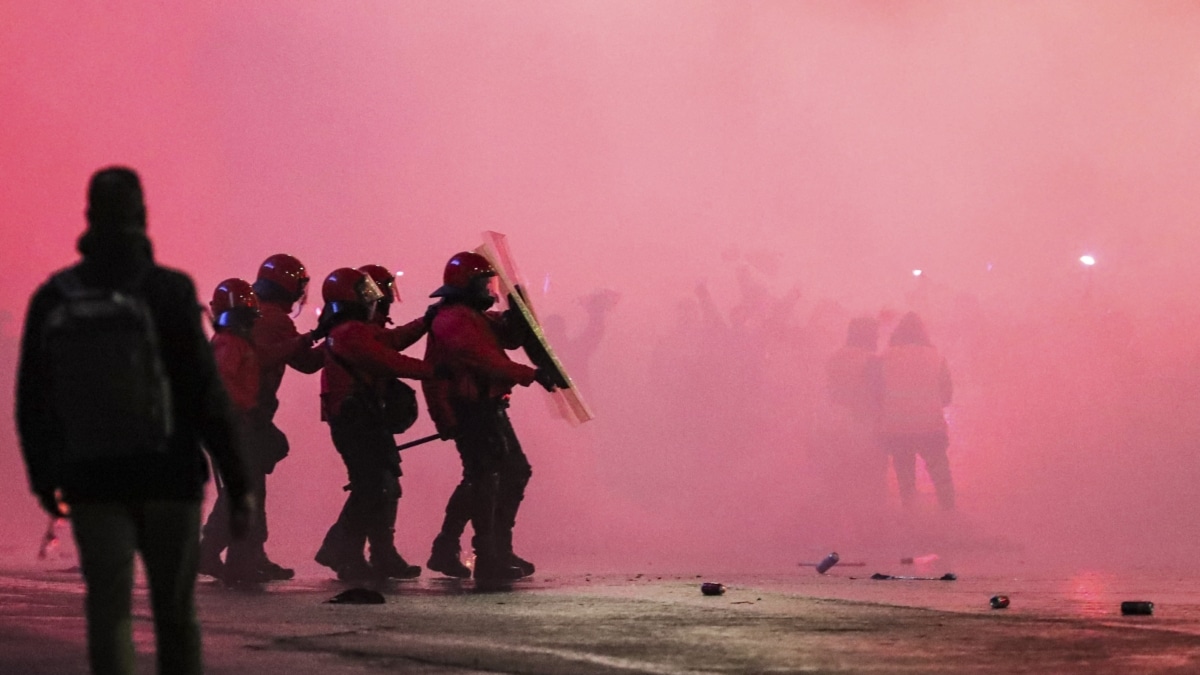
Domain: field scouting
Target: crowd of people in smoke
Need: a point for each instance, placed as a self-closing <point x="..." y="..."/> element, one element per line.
<point x="794" y="408"/>
<point x="745" y="393"/>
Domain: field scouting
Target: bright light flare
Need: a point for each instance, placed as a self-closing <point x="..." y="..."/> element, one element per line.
<point x="1087" y="260"/>
<point x="917" y="273"/>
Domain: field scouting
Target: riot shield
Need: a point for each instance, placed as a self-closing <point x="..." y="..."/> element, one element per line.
<point x="568" y="401"/>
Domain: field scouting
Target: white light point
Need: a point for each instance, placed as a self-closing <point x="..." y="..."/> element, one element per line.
<point x="1087" y="260"/>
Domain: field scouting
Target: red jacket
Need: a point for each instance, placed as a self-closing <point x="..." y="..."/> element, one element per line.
<point x="238" y="366"/>
<point x="280" y="345"/>
<point x="471" y="345"/>
<point x="374" y="354"/>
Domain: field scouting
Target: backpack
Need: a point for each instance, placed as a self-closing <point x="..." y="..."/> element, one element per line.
<point x="396" y="410"/>
<point x="108" y="386"/>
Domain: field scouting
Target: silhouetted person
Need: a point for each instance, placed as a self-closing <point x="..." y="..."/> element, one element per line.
<point x="121" y="438"/>
<point x="235" y="309"/>
<point x="346" y="539"/>
<point x="576" y="350"/>
<point x="915" y="386"/>
<point x="471" y="406"/>
<point x="281" y="283"/>
<point x="848" y="373"/>
<point x="362" y="357"/>
<point x="850" y="383"/>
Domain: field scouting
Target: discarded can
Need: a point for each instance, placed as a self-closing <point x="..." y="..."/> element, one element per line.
<point x="710" y="588"/>
<point x="1137" y="607"/>
<point x="999" y="601"/>
<point x="829" y="561"/>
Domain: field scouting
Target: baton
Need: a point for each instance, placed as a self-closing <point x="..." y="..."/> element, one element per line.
<point x="419" y="441"/>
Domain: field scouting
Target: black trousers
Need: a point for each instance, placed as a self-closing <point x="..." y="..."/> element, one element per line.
<point x="108" y="534"/>
<point x="495" y="473"/>
<point x="373" y="465"/>
<point x="932" y="448"/>
<point x="261" y="439"/>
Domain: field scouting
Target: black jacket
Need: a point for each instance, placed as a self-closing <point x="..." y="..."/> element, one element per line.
<point x="202" y="411"/>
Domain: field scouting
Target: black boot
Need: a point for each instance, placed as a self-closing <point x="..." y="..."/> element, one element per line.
<point x="495" y="569"/>
<point x="347" y="567"/>
<point x="210" y="563"/>
<point x="273" y="571"/>
<point x="520" y="563"/>
<point x="445" y="559"/>
<point x="394" y="566"/>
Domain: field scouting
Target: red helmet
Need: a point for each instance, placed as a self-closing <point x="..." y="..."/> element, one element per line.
<point x="384" y="279"/>
<point x="462" y="269"/>
<point x="233" y="294"/>
<point x="348" y="285"/>
<point x="286" y="273"/>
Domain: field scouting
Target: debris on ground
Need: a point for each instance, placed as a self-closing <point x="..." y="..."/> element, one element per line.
<point x="357" y="596"/>
<point x="1137" y="608"/>
<point x="948" y="576"/>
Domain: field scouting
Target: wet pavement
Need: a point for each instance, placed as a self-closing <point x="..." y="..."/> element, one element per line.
<point x="794" y="621"/>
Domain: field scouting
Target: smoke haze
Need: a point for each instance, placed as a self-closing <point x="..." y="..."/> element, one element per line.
<point x="747" y="177"/>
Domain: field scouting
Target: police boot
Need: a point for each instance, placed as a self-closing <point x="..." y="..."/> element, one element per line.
<point x="273" y="571"/>
<point x="495" y="568"/>
<point x="241" y="569"/>
<point x="520" y="563"/>
<point x="392" y="565"/>
<point x="210" y="564"/>
<point x="504" y="537"/>
<point x="445" y="559"/>
<point x="347" y="567"/>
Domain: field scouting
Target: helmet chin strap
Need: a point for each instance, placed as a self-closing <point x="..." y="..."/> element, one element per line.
<point x="299" y="304"/>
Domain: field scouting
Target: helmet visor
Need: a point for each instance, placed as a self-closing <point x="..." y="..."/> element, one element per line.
<point x="368" y="290"/>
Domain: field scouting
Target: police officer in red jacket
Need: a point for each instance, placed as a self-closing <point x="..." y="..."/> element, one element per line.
<point x="281" y="285"/>
<point x="361" y="358"/>
<point x="470" y="406"/>
<point x="235" y="308"/>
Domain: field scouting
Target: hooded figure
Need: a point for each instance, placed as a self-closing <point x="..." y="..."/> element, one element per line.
<point x="914" y="383"/>
<point x="133" y="499"/>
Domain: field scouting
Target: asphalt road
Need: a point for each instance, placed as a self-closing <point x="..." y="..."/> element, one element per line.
<point x="591" y="624"/>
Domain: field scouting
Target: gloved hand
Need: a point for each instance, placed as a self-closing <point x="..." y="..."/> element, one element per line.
<point x="241" y="514"/>
<point x="324" y="325"/>
<point x="513" y="313"/>
<point x="431" y="313"/>
<point x="547" y="378"/>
